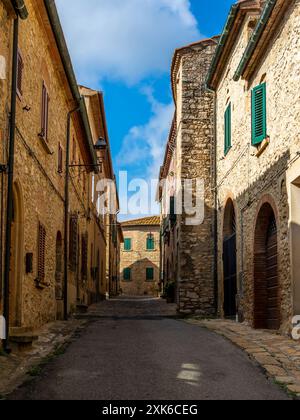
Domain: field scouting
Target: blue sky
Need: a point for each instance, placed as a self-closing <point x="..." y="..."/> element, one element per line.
<point x="125" y="48"/>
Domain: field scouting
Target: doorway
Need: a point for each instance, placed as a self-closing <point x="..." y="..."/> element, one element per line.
<point x="266" y="281"/>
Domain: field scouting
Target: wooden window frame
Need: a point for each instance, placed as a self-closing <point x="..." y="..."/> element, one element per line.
<point x="227" y="129"/>
<point x="149" y="278"/>
<point x="127" y="240"/>
<point x="127" y="274"/>
<point x="60" y="160"/>
<point x="150" y="237"/>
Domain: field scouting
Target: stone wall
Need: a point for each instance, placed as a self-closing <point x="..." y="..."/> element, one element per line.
<point x="194" y="157"/>
<point x="38" y="185"/>
<point x="138" y="260"/>
<point x="250" y="179"/>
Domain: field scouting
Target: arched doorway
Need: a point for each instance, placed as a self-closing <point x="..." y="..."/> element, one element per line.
<point x="16" y="262"/>
<point x="266" y="284"/>
<point x="229" y="260"/>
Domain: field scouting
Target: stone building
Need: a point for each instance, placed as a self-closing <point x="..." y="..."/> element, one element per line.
<point x="255" y="75"/>
<point x="188" y="242"/>
<point x="41" y="290"/>
<point x="139" y="265"/>
<point x="101" y="252"/>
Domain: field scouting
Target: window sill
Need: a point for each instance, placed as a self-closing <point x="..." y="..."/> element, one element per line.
<point x="262" y="147"/>
<point x="45" y="145"/>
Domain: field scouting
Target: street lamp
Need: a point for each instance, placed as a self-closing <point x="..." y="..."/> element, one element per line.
<point x="101" y="145"/>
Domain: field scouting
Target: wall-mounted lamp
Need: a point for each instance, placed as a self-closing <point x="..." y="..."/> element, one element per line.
<point x="101" y="145"/>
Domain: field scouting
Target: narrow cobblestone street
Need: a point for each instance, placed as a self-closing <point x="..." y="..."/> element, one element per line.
<point x="135" y="349"/>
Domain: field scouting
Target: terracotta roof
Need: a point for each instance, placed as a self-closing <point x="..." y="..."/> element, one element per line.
<point x="145" y="221"/>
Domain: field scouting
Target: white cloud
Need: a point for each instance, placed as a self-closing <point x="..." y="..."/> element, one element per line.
<point x="126" y="40"/>
<point x="145" y="144"/>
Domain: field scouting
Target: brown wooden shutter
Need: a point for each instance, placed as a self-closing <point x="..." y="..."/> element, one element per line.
<point x="41" y="252"/>
<point x="84" y="256"/>
<point x="20" y="68"/>
<point x="45" y="113"/>
<point x="73" y="243"/>
<point x="60" y="159"/>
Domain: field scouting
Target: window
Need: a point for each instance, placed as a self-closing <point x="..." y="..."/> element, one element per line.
<point x="150" y="243"/>
<point x="259" y="114"/>
<point x="127" y="274"/>
<point x="60" y="159"/>
<point x="45" y="113"/>
<point x="20" y="68"/>
<point x="227" y="130"/>
<point x="41" y="253"/>
<point x="73" y="234"/>
<point x="127" y="244"/>
<point x="150" y="274"/>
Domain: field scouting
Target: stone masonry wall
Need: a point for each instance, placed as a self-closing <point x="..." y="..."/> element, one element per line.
<point x="250" y="180"/>
<point x="38" y="186"/>
<point x="139" y="259"/>
<point x="195" y="119"/>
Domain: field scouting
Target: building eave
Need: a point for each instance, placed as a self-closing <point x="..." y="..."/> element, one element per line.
<point x="270" y="19"/>
<point x="228" y="38"/>
<point x="70" y="74"/>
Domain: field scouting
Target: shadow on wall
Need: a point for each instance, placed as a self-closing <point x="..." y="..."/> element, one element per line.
<point x="140" y="279"/>
<point x="264" y="277"/>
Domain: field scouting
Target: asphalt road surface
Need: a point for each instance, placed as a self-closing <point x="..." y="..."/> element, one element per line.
<point x="132" y="350"/>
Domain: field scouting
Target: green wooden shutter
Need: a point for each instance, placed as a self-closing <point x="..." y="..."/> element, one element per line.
<point x="127" y="244"/>
<point x="149" y="274"/>
<point x="227" y="145"/>
<point x="259" y="114"/>
<point x="127" y="274"/>
<point x="150" y="243"/>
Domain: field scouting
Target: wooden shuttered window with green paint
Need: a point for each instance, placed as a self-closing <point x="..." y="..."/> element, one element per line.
<point x="127" y="274"/>
<point x="127" y="244"/>
<point x="227" y="141"/>
<point x="150" y="243"/>
<point x="150" y="274"/>
<point x="259" y="114"/>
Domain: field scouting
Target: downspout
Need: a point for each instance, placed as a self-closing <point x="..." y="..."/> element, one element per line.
<point x="66" y="210"/>
<point x="10" y="166"/>
<point x="215" y="190"/>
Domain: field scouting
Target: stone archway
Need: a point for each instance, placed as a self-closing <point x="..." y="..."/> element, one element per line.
<point x="229" y="260"/>
<point x="17" y="258"/>
<point x="266" y="280"/>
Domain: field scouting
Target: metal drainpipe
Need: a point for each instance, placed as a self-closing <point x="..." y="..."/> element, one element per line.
<point x="66" y="233"/>
<point x="9" y="204"/>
